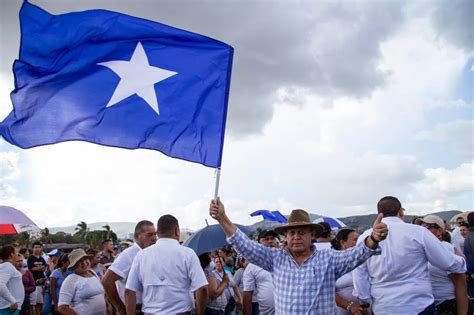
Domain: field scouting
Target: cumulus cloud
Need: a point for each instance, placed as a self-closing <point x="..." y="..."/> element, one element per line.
<point x="443" y="189"/>
<point x="329" y="96"/>
<point x="455" y="136"/>
<point x="9" y="174"/>
<point x="9" y="165"/>
<point x="6" y="191"/>
<point x="330" y="49"/>
<point x="454" y="23"/>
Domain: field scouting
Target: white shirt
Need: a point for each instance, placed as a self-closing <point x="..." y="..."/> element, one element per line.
<point x="457" y="239"/>
<point x="84" y="295"/>
<point x="323" y="245"/>
<point x="443" y="287"/>
<point x="167" y="274"/>
<point x="121" y="267"/>
<point x="256" y="278"/>
<point x="397" y="281"/>
<point x="345" y="289"/>
<point x="11" y="286"/>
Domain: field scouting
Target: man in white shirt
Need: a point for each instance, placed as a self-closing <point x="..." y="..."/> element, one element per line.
<point x="397" y="281"/>
<point x="115" y="277"/>
<point x="456" y="238"/>
<point x="167" y="274"/>
<point x="256" y="278"/>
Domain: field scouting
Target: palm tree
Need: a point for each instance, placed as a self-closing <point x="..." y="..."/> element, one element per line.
<point x="107" y="231"/>
<point x="81" y="230"/>
<point x="45" y="236"/>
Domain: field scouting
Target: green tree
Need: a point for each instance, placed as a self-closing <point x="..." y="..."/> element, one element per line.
<point x="45" y="237"/>
<point x="82" y="231"/>
<point x="23" y="239"/>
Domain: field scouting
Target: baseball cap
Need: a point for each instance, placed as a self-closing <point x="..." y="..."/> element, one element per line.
<point x="55" y="252"/>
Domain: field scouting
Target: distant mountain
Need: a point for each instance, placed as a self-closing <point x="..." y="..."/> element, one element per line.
<point x="360" y="222"/>
<point x="364" y="222"/>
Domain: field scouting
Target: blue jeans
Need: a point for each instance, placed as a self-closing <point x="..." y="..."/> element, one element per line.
<point x="48" y="303"/>
<point x="7" y="311"/>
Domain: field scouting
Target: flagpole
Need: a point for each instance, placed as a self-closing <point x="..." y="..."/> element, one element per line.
<point x="218" y="178"/>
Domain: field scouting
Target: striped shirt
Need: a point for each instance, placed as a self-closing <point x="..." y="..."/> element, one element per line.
<point x="308" y="288"/>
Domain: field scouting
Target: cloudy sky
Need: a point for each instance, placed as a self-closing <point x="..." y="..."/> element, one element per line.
<point x="333" y="105"/>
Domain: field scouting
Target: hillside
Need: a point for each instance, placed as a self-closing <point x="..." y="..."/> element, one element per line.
<point x="362" y="222"/>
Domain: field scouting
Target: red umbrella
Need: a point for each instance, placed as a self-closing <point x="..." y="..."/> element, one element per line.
<point x="13" y="221"/>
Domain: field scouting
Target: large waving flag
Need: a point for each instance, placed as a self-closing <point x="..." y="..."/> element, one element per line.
<point x="117" y="80"/>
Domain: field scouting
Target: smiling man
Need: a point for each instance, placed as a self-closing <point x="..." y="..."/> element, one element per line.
<point x="304" y="278"/>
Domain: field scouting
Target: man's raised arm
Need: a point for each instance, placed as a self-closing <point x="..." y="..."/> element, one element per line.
<point x="217" y="211"/>
<point x="254" y="252"/>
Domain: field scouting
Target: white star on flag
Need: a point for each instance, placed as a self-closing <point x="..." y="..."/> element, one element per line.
<point x="137" y="77"/>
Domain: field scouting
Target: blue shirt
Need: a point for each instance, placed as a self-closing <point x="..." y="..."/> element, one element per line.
<point x="308" y="288"/>
<point x="60" y="278"/>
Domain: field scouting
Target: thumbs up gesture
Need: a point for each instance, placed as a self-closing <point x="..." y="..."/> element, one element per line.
<point x="379" y="229"/>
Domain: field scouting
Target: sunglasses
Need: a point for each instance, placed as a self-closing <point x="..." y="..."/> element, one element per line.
<point x="430" y="226"/>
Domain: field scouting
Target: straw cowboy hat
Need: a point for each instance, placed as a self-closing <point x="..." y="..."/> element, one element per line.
<point x="75" y="256"/>
<point x="299" y="218"/>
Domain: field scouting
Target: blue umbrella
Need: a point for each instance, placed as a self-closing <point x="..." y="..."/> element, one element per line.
<point x="210" y="238"/>
<point x="334" y="223"/>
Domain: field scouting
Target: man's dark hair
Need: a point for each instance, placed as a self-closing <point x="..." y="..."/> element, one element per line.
<point x="470" y="219"/>
<point x="389" y="206"/>
<point x="140" y="225"/>
<point x="6" y="251"/>
<point x="23" y="251"/>
<point x="204" y="260"/>
<point x="37" y="243"/>
<point x="166" y="224"/>
<point x="105" y="241"/>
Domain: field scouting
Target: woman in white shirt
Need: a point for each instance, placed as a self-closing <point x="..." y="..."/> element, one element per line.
<point x="449" y="290"/>
<point x="81" y="292"/>
<point x="12" y="292"/>
<point x="345" y="301"/>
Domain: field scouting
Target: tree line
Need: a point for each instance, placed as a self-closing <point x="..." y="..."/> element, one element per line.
<point x="82" y="235"/>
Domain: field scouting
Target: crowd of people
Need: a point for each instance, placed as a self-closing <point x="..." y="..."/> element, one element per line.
<point x="422" y="267"/>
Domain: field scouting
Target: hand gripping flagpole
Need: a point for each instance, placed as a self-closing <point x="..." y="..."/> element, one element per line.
<point x="216" y="189"/>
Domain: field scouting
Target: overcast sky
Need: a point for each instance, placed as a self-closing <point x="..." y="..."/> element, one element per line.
<point x="333" y="105"/>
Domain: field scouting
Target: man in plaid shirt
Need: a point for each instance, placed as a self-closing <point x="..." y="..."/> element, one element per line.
<point x="304" y="278"/>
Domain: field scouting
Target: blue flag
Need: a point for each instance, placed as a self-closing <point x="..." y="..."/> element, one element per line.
<point x="121" y="81"/>
<point x="270" y="215"/>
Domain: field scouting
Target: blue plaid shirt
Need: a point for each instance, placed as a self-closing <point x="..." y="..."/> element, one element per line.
<point x="308" y="288"/>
